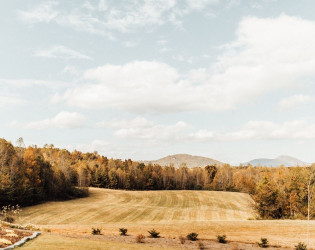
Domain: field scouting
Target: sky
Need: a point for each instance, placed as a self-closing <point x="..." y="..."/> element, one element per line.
<point x="232" y="80"/>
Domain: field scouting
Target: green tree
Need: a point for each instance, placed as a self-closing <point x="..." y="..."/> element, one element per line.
<point x="266" y="200"/>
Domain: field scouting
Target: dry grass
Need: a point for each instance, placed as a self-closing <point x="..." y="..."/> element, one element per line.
<point x="118" y="206"/>
<point x="173" y="213"/>
<point x="140" y="238"/>
<point x="49" y="241"/>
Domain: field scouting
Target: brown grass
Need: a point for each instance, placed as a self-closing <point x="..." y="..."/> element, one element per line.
<point x="140" y="238"/>
<point x="118" y="206"/>
<point x="173" y="213"/>
<point x="50" y="241"/>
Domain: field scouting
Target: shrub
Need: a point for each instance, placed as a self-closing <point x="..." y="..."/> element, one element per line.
<point x="10" y="212"/>
<point x="154" y="234"/>
<point x="96" y="231"/>
<point x="263" y="242"/>
<point x="221" y="238"/>
<point x="301" y="246"/>
<point x="30" y="226"/>
<point x="123" y="231"/>
<point x="182" y="239"/>
<point x="192" y="236"/>
<point x="25" y="227"/>
<point x="140" y="238"/>
<point x="200" y="245"/>
<point x="8" y="219"/>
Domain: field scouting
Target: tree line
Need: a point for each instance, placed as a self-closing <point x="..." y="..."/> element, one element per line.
<point x="33" y="174"/>
<point x="27" y="178"/>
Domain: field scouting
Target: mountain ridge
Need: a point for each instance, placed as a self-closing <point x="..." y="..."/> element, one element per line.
<point x="190" y="160"/>
<point x="285" y="160"/>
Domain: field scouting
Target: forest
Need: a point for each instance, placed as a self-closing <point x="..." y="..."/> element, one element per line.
<point x="32" y="175"/>
<point x="27" y="178"/>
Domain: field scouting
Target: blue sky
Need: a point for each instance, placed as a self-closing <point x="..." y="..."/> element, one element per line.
<point x="228" y="79"/>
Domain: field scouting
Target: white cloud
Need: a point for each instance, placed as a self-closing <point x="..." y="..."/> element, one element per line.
<point x="103" y="147"/>
<point x="182" y="58"/>
<point x="99" y="145"/>
<point x="60" y="51"/>
<point x="43" y="12"/>
<point x="130" y="44"/>
<point x="262" y="130"/>
<point x="70" y="69"/>
<point x="293" y="101"/>
<point x="141" y="128"/>
<point x="102" y="6"/>
<point x="9" y="100"/>
<point x="144" y="87"/>
<point x="200" y="4"/>
<point x="32" y="83"/>
<point x="63" y="120"/>
<point x="165" y="49"/>
<point x="13" y="124"/>
<point x="124" y="16"/>
<point x="233" y="3"/>
<point x="136" y="86"/>
<point x="162" y="42"/>
<point x="80" y="19"/>
<point x="268" y="55"/>
<point x="140" y="14"/>
<point x="138" y="122"/>
<point x="256" y="6"/>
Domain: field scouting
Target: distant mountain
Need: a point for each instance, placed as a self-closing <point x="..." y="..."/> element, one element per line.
<point x="190" y="160"/>
<point x="287" y="161"/>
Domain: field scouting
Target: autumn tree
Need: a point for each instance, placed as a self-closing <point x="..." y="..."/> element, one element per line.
<point x="266" y="198"/>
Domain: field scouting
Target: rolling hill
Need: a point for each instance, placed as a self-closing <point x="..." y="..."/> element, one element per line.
<point x="68" y="224"/>
<point x="287" y="161"/>
<point x="190" y="160"/>
<point x="119" y="206"/>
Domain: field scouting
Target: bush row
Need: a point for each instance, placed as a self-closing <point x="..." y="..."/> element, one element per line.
<point x="264" y="243"/>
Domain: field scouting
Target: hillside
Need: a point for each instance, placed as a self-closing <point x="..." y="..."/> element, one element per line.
<point x="190" y="160"/>
<point x="117" y="206"/>
<point x="173" y="213"/>
<point x="287" y="161"/>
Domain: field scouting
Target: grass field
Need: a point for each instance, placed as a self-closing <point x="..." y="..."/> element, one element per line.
<point x="174" y="213"/>
<point x="49" y="241"/>
<point x="117" y="206"/>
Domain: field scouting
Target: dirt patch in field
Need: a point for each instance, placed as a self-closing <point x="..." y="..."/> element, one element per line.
<point x="10" y="236"/>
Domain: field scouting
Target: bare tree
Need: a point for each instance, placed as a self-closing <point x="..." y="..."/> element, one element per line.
<point x="310" y="194"/>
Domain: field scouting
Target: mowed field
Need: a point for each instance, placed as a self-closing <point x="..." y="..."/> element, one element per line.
<point x="117" y="206"/>
<point x="173" y="213"/>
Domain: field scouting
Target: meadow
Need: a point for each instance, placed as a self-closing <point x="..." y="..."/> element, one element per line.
<point x="173" y="213"/>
